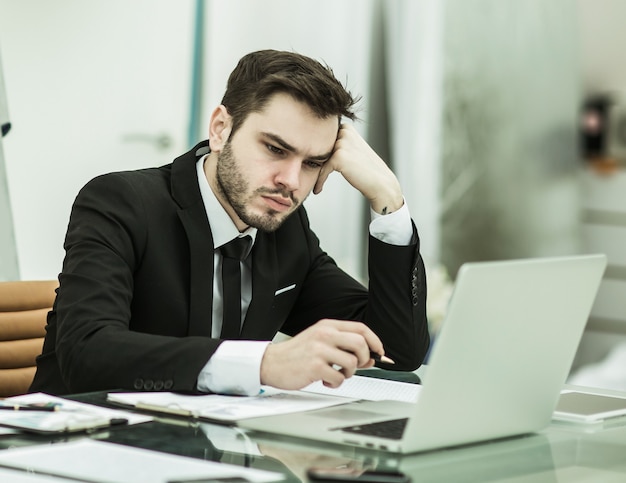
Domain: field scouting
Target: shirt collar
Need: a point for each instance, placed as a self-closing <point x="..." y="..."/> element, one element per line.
<point x="222" y="227"/>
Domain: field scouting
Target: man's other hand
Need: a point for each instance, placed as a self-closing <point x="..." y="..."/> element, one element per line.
<point x="330" y="351"/>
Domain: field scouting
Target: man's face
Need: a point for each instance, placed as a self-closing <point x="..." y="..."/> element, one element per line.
<point x="270" y="165"/>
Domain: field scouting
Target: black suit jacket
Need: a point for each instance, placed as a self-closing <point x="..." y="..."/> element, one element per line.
<point x="134" y="305"/>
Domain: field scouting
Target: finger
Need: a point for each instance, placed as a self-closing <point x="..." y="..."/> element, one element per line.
<point x="371" y="339"/>
<point x="332" y="378"/>
<point x="323" y="176"/>
<point x="354" y="337"/>
<point x="344" y="361"/>
<point x="356" y="346"/>
<point x="344" y="130"/>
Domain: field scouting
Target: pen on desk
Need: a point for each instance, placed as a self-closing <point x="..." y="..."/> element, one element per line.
<point x="377" y="357"/>
<point x="21" y="407"/>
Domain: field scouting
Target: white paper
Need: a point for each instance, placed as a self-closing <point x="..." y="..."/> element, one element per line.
<point x="228" y="408"/>
<point x="20" y="476"/>
<point x="78" y="407"/>
<point x="370" y="389"/>
<point x="101" y="462"/>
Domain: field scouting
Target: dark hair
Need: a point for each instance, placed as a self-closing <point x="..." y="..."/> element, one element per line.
<point x="259" y="75"/>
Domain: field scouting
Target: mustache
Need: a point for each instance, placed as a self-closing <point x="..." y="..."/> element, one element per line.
<point x="283" y="193"/>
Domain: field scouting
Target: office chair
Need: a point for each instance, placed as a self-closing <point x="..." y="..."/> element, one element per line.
<point x="24" y="306"/>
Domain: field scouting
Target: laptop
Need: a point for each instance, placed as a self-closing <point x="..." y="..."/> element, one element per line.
<point x="496" y="369"/>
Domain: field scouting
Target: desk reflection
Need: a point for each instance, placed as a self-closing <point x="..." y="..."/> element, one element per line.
<point x="559" y="453"/>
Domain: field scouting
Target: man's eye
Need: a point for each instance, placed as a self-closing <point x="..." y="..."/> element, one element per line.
<point x="313" y="164"/>
<point x="274" y="149"/>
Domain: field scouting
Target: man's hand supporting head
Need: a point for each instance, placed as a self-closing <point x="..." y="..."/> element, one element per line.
<point x="359" y="164"/>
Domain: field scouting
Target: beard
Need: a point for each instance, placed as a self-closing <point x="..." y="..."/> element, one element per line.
<point x="233" y="186"/>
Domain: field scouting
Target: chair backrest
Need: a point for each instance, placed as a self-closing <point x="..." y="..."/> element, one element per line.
<point x="24" y="306"/>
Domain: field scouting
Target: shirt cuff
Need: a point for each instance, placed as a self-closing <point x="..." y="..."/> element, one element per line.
<point x="394" y="228"/>
<point x="234" y="368"/>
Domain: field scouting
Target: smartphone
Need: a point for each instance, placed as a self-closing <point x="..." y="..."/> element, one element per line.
<point x="352" y="474"/>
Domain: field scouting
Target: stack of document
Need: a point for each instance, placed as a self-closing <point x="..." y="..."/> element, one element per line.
<point x="270" y="401"/>
<point x="215" y="407"/>
<point x="42" y="413"/>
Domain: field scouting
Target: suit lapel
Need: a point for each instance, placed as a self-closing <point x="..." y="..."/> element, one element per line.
<point x="192" y="215"/>
<point x="201" y="270"/>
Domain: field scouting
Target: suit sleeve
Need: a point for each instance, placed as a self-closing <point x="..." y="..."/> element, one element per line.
<point x="95" y="346"/>
<point x="394" y="306"/>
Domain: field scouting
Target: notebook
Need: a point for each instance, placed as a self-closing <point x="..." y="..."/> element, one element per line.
<point x="496" y="368"/>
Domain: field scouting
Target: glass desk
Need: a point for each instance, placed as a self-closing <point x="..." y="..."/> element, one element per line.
<point x="563" y="452"/>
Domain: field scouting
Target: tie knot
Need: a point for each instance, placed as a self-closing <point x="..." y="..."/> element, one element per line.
<point x="236" y="248"/>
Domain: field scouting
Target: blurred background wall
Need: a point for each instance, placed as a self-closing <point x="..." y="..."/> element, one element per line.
<point x="509" y="151"/>
<point x="475" y="104"/>
<point x="8" y="259"/>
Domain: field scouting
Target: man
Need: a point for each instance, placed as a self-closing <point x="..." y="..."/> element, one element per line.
<point x="141" y="303"/>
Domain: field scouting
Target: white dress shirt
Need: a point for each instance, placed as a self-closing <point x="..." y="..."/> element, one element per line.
<point x="235" y="367"/>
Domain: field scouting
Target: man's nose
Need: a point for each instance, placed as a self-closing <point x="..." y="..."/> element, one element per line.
<point x="289" y="174"/>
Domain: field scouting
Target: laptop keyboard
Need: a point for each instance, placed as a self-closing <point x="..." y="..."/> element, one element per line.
<point x="391" y="429"/>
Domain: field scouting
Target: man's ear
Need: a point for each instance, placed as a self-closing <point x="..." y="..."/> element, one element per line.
<point x="220" y="127"/>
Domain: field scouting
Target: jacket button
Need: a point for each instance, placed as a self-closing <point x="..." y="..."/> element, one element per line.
<point x="158" y="385"/>
<point x="138" y="384"/>
<point x="148" y="384"/>
<point x="168" y="384"/>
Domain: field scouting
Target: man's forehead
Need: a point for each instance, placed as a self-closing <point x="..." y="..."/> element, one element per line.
<point x="296" y="127"/>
